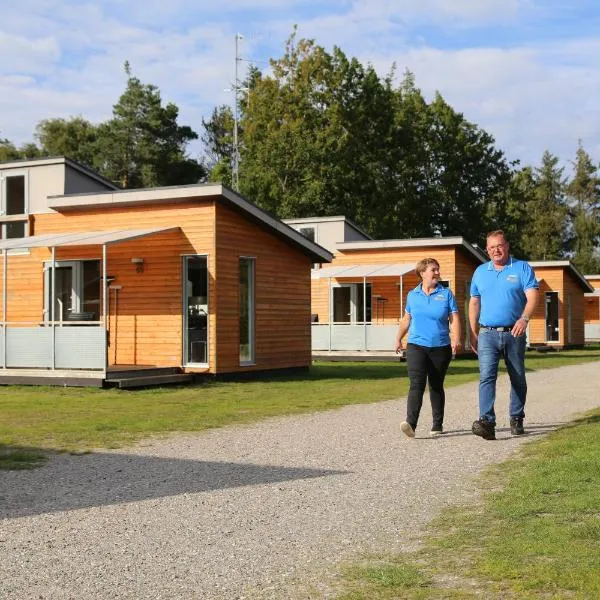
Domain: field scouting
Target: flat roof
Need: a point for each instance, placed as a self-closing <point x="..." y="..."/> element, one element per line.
<point x="21" y="163"/>
<point x="307" y="220"/>
<point x="414" y="242"/>
<point x="563" y="264"/>
<point x="81" y="238"/>
<point x="189" y="193"/>
<point x="374" y="270"/>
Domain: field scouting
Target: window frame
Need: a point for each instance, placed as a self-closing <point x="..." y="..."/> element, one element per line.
<point x="250" y="358"/>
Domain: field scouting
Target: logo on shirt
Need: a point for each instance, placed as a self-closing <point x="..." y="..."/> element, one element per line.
<point x="512" y="279"/>
<point x="439" y="297"/>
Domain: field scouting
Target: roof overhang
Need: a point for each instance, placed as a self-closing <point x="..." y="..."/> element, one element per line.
<point x="82" y="238"/>
<point x="357" y="271"/>
<point x="190" y="193"/>
<point x="415" y="243"/>
<point x="564" y="264"/>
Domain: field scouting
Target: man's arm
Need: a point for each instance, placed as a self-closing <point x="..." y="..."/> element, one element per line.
<point x="474" y="309"/>
<point x="532" y="295"/>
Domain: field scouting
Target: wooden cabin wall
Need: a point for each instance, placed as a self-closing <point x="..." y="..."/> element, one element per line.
<point x="148" y="327"/>
<point x="592" y="309"/>
<point x="282" y="296"/>
<point x="573" y="296"/>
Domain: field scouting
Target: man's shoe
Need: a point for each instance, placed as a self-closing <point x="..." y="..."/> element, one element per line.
<point x="407" y="429"/>
<point x="436" y="430"/>
<point x="516" y="426"/>
<point x="484" y="429"/>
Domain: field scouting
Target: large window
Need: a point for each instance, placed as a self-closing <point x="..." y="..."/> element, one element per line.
<point x="13" y="206"/>
<point x="196" y="309"/>
<point x="348" y="303"/>
<point x="247" y="355"/>
<point x="77" y="291"/>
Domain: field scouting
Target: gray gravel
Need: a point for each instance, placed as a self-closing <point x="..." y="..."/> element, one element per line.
<point x="260" y="511"/>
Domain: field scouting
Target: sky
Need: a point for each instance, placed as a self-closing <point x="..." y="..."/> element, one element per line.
<point x="526" y="71"/>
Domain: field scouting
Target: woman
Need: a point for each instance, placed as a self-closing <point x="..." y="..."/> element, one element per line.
<point x="430" y="309"/>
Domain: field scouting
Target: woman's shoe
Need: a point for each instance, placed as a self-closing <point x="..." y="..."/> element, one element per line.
<point x="407" y="429"/>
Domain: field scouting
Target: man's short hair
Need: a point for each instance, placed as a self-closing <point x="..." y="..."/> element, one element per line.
<point x="496" y="233"/>
<point x="423" y="264"/>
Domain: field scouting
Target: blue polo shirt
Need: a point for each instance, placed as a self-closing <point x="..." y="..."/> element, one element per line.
<point x="429" y="316"/>
<point x="502" y="292"/>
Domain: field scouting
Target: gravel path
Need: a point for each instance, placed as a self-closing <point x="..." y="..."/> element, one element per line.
<point x="260" y="511"/>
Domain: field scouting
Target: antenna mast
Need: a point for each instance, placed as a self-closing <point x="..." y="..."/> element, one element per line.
<point x="235" y="175"/>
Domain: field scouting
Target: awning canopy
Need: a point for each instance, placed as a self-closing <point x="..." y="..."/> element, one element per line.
<point x="81" y="238"/>
<point x="355" y="271"/>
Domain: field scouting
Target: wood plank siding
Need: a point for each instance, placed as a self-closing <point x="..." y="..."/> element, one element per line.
<point x="282" y="296"/>
<point x="570" y="308"/>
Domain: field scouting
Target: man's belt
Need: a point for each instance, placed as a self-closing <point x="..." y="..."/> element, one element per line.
<point x="504" y="328"/>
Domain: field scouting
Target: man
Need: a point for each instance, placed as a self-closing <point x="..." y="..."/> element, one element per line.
<point x="504" y="294"/>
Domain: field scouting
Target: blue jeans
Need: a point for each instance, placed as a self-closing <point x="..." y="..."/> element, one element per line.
<point x="491" y="346"/>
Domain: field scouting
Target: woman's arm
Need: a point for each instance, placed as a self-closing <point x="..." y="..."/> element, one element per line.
<point x="402" y="329"/>
<point x="455" y="332"/>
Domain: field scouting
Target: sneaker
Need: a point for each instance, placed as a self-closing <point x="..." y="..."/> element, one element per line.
<point x="407" y="429"/>
<point x="484" y="429"/>
<point x="436" y="430"/>
<point x="516" y="426"/>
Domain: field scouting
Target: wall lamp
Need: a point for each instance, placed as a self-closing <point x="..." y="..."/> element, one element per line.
<point x="139" y="264"/>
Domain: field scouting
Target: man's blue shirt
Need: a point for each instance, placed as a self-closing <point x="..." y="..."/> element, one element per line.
<point x="502" y="292"/>
<point x="429" y="316"/>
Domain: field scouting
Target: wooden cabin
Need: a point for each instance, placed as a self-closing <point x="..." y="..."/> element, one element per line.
<point x="559" y="317"/>
<point x="592" y="311"/>
<point x="357" y="302"/>
<point x="101" y="283"/>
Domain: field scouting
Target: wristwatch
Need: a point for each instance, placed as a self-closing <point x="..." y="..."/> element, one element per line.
<point x="526" y="319"/>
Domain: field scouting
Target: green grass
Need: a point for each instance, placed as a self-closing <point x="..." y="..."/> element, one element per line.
<point x="79" y="419"/>
<point x="536" y="537"/>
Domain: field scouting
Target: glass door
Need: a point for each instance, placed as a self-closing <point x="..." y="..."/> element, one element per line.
<point x="195" y="314"/>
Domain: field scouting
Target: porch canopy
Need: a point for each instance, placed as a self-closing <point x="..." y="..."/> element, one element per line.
<point x="381" y="270"/>
<point x="80" y="238"/>
<point x="71" y="347"/>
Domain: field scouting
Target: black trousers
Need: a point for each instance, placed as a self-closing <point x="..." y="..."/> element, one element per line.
<point x="427" y="365"/>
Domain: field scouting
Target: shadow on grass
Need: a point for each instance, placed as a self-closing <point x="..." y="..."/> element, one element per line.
<point x="15" y="458"/>
<point x="97" y="479"/>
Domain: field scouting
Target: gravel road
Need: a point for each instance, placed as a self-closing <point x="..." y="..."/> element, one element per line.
<point x="264" y="511"/>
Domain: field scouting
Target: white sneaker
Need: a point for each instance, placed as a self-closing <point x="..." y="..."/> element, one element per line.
<point x="435" y="432"/>
<point x="407" y="429"/>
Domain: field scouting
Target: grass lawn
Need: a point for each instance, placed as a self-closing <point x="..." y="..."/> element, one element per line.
<point x="80" y="419"/>
<point x="536" y="536"/>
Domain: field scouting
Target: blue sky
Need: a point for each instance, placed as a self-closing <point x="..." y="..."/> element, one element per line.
<point x="524" y="70"/>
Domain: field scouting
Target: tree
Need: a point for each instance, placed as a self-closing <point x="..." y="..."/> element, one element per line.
<point x="464" y="172"/>
<point x="546" y="232"/>
<point x="142" y="145"/>
<point x="8" y="151"/>
<point x="75" y="137"/>
<point x="218" y="144"/>
<point x="324" y="135"/>
<point x="584" y="194"/>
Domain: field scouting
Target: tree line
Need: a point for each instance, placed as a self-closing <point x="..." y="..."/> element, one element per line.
<point x="321" y="134"/>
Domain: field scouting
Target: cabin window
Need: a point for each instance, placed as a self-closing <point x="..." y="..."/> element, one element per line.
<point x="195" y="309"/>
<point x="14" y="206"/>
<point x="308" y="233"/>
<point x="246" y="292"/>
<point x="348" y="303"/>
<point x="77" y="291"/>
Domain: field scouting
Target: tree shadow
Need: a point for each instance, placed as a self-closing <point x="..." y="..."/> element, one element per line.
<point x="97" y="479"/>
